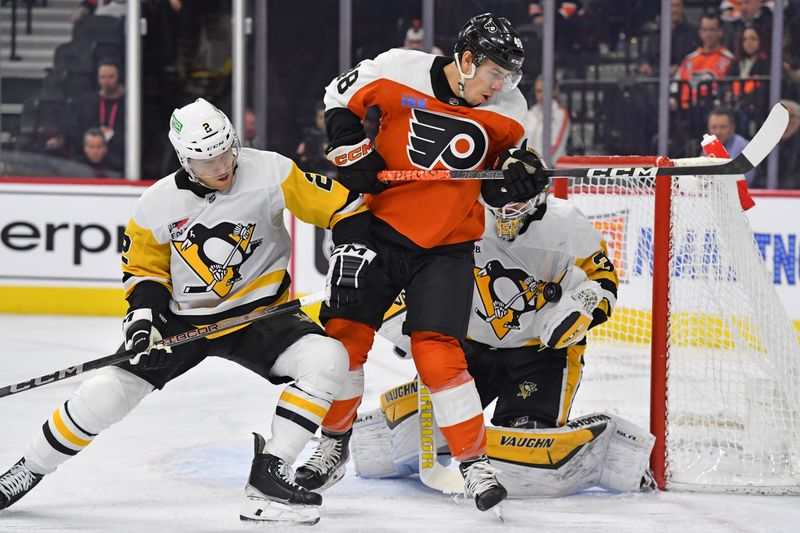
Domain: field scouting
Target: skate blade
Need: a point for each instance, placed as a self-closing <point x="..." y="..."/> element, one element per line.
<point x="498" y="511"/>
<point x="277" y="513"/>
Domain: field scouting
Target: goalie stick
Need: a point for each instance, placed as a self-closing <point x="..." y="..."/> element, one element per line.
<point x="753" y="154"/>
<point x="175" y="340"/>
<point x="431" y="472"/>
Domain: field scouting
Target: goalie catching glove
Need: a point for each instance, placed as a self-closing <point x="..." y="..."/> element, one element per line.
<point x="141" y="334"/>
<point x="346" y="274"/>
<point x="359" y="165"/>
<point x="523" y="172"/>
<point x="565" y="322"/>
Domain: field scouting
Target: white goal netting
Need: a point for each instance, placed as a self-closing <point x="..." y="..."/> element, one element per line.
<point x="733" y="358"/>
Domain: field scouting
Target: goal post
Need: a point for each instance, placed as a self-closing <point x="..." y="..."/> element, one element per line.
<point x="699" y="348"/>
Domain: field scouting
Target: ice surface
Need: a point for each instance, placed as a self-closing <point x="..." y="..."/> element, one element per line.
<point x="180" y="460"/>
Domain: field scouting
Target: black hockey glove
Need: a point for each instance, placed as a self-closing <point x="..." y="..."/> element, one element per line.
<point x="523" y="173"/>
<point x="347" y="274"/>
<point x="359" y="165"/>
<point x="141" y="333"/>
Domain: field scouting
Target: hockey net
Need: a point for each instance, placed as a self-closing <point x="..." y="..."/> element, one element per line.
<point x="710" y="334"/>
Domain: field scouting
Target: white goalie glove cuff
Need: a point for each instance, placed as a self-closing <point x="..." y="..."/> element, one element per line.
<point x="566" y="322"/>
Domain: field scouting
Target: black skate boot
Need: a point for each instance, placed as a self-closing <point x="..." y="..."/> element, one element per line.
<point x="480" y="480"/>
<point x="327" y="465"/>
<point x="273" y="496"/>
<point x="16" y="483"/>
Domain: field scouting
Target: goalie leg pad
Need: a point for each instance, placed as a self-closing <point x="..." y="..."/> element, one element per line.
<point x="550" y="462"/>
<point x="101" y="401"/>
<point x="628" y="456"/>
<point x="372" y="449"/>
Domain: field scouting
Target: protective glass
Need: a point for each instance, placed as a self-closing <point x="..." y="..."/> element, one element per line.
<point x="216" y="166"/>
<point x="498" y="78"/>
<point x="510" y="218"/>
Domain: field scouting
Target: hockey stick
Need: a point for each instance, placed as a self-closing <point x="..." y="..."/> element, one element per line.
<point x="431" y="473"/>
<point x="175" y="340"/>
<point x="753" y="154"/>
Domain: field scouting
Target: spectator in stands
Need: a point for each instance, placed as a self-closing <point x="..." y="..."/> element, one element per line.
<point x="711" y="60"/>
<point x="685" y="39"/>
<point x="752" y="13"/>
<point x="415" y="39"/>
<point x="311" y="150"/>
<point x="86" y="7"/>
<point x="722" y="123"/>
<point x="752" y="61"/>
<point x="789" y="153"/>
<point x="104" y="109"/>
<point x="751" y="56"/>
<point x="559" y="125"/>
<point x="249" y="140"/>
<point x="95" y="154"/>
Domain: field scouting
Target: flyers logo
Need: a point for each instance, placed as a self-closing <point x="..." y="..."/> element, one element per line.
<point x="458" y="143"/>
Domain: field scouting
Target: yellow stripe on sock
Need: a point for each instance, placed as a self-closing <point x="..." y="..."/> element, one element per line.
<point x="66" y="433"/>
<point x="311" y="407"/>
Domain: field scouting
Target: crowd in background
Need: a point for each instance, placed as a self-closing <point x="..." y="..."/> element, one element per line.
<point x="607" y="57"/>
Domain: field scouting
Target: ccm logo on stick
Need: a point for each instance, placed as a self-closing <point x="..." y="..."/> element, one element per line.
<point x="61" y="374"/>
<point x="635" y="172"/>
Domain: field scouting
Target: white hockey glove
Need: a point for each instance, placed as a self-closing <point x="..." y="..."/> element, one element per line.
<point x="347" y="274"/>
<point x="140" y="335"/>
<point x="565" y="322"/>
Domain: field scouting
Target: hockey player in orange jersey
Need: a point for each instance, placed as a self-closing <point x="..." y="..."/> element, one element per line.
<point x="463" y="113"/>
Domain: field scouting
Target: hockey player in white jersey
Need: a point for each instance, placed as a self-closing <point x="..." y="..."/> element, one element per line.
<point x="205" y="243"/>
<point x="542" y="279"/>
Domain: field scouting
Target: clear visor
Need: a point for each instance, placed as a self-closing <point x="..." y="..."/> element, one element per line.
<point x="216" y="166"/>
<point x="498" y="78"/>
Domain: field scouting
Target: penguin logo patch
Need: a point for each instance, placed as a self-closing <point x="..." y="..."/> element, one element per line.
<point x="526" y="388"/>
<point x="216" y="255"/>
<point x="508" y="293"/>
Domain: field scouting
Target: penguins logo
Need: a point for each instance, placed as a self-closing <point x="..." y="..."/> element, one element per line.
<point x="458" y="143"/>
<point x="508" y="293"/>
<point x="526" y="388"/>
<point x="216" y="255"/>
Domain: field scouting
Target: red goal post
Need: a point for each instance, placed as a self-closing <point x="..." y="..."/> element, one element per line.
<point x="697" y="313"/>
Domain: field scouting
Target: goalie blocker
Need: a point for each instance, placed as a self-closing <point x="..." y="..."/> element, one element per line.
<point x="597" y="450"/>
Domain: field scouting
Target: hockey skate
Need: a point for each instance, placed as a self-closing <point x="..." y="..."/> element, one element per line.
<point x="327" y="465"/>
<point x="480" y="480"/>
<point x="273" y="496"/>
<point x="16" y="483"/>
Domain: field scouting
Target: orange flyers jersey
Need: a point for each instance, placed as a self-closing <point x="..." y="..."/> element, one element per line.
<point x="420" y="131"/>
<point x="701" y="66"/>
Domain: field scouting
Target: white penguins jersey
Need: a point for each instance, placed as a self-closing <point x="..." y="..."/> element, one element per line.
<point x="216" y="252"/>
<point x="513" y="274"/>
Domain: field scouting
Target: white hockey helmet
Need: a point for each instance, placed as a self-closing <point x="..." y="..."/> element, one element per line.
<point x="202" y="135"/>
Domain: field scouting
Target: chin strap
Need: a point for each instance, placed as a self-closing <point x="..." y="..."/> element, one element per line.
<point x="464" y="77"/>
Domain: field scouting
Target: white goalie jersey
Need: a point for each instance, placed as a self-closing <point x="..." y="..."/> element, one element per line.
<point x="216" y="252"/>
<point x="510" y="278"/>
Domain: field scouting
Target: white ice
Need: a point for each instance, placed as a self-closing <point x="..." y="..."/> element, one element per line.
<point x="180" y="460"/>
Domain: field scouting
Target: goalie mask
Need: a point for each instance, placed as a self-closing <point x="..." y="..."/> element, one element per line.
<point x="511" y="218"/>
<point x="206" y="143"/>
